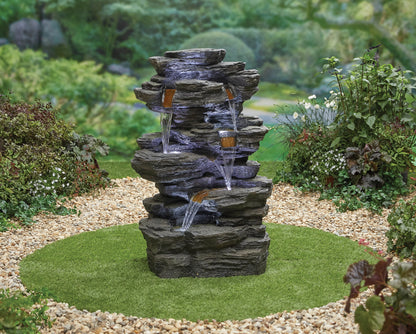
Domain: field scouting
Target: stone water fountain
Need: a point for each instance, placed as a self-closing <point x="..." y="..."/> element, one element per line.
<point x="206" y="220"/>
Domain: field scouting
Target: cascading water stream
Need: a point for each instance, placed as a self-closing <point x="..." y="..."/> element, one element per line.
<point x="226" y="168"/>
<point x="166" y="117"/>
<point x="192" y="209"/>
<point x="190" y="214"/>
<point x="228" y="150"/>
<point x="165" y="124"/>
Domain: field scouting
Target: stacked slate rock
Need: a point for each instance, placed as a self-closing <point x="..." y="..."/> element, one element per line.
<point x="226" y="237"/>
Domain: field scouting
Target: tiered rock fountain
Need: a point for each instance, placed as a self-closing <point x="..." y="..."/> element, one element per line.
<point x="207" y="219"/>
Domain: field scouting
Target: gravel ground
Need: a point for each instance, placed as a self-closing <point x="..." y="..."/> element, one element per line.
<point x="123" y="205"/>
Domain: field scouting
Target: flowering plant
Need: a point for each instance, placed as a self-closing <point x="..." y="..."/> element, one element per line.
<point x="327" y="165"/>
<point x="54" y="183"/>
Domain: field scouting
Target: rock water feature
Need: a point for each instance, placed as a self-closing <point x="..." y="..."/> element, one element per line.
<point x="206" y="220"/>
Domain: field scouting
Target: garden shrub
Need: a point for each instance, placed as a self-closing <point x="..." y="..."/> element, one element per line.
<point x="402" y="233"/>
<point x="23" y="313"/>
<point x="356" y="146"/>
<point x="41" y="159"/>
<point x="237" y="50"/>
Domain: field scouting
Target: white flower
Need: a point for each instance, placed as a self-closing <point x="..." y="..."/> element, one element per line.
<point x="295" y="115"/>
<point x="303" y="118"/>
<point x="312" y="97"/>
<point x="307" y="105"/>
<point x="317" y="106"/>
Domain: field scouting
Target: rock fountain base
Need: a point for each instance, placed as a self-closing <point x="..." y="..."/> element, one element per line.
<point x="207" y="219"/>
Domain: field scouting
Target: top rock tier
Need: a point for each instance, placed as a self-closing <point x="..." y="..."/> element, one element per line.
<point x="199" y="76"/>
<point x="203" y="86"/>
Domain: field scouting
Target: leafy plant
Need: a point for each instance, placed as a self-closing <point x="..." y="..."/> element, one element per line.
<point x="369" y="95"/>
<point x="392" y="308"/>
<point x="41" y="160"/>
<point x="373" y="109"/>
<point x="23" y="313"/>
<point x="402" y="233"/>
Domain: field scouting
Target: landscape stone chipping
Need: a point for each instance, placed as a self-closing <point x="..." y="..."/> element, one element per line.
<point x="123" y="204"/>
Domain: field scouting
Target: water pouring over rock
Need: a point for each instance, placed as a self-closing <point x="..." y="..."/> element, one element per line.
<point x="209" y="190"/>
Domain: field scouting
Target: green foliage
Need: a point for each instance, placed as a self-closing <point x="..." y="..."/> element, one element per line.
<point x="370" y="95"/>
<point x="402" y="233"/>
<point x="23" y="313"/>
<point x="42" y="159"/>
<point x="237" y="50"/>
<point x="389" y="313"/>
<point x="69" y="84"/>
<point x="134" y="30"/>
<point x="320" y="138"/>
<point x="84" y="95"/>
<point x="11" y="11"/>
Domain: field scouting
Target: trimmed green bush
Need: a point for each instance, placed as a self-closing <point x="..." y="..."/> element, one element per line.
<point x="236" y="49"/>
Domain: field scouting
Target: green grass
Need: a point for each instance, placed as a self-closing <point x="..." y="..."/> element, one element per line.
<point x="118" y="169"/>
<point x="107" y="270"/>
<point x="280" y="91"/>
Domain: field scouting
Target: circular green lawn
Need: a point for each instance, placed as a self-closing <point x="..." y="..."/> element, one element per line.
<point x="107" y="270"/>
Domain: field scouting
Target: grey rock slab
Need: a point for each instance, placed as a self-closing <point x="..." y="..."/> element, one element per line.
<point x="160" y="236"/>
<point x="53" y="41"/>
<point x="25" y="33"/>
<point x="160" y="167"/>
<point x="202" y="56"/>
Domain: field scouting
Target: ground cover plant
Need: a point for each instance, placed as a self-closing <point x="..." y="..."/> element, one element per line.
<point x="357" y="146"/>
<point x="42" y="160"/>
<point x="107" y="270"/>
<point x="402" y="233"/>
<point x="23" y="313"/>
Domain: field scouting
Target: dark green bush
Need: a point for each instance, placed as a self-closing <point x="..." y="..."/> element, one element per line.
<point x="402" y="233"/>
<point x="41" y="159"/>
<point x="236" y="49"/>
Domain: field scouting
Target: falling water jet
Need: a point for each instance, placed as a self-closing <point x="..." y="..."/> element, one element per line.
<point x="194" y="204"/>
<point x="166" y="117"/>
<point x="165" y="124"/>
<point x="228" y="143"/>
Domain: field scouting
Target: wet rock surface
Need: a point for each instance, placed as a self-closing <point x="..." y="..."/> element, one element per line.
<point x="200" y="97"/>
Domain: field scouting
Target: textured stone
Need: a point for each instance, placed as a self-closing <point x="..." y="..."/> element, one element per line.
<point x="25" y="33"/>
<point x="226" y="236"/>
<point x="53" y="41"/>
<point x="198" y="56"/>
<point x="204" y="250"/>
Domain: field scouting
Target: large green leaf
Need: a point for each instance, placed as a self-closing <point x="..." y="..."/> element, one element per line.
<point x="370" y="121"/>
<point x="351" y="126"/>
<point x="372" y="319"/>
